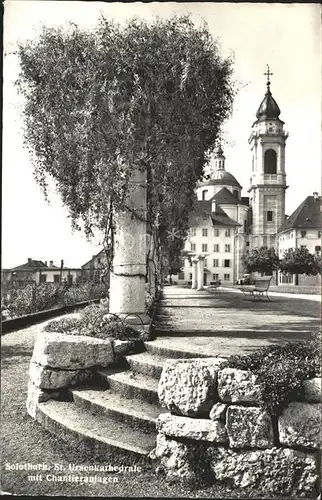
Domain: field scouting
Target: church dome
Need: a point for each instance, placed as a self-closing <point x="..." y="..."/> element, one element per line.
<point x="268" y="110"/>
<point x="222" y="177"/>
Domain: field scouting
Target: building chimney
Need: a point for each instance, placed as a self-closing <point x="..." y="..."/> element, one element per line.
<point x="315" y="195"/>
<point x="45" y="263"/>
<point x="51" y="263"/>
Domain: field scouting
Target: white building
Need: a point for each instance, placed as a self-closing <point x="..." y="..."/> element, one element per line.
<point x="218" y="227"/>
<point x="302" y="229"/>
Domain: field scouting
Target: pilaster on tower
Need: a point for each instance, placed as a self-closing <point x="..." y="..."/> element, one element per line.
<point x="268" y="177"/>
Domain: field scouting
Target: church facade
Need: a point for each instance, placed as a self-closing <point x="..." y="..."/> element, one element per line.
<point x="224" y="224"/>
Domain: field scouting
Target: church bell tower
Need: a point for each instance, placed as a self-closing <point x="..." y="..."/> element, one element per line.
<point x="268" y="179"/>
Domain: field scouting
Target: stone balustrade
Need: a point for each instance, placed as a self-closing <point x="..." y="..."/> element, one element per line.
<point x="217" y="426"/>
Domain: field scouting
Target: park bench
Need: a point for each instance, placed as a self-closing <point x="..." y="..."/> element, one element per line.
<point x="257" y="290"/>
<point x="214" y="285"/>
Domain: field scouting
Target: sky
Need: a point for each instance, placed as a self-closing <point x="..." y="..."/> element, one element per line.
<point x="285" y="36"/>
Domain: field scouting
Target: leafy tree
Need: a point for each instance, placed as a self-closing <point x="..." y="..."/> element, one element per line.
<point x="300" y="261"/>
<point x="100" y="104"/>
<point x="263" y="260"/>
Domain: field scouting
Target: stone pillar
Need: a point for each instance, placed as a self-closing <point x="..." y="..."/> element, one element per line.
<point x="127" y="283"/>
<point x="201" y="266"/>
<point x="194" y="274"/>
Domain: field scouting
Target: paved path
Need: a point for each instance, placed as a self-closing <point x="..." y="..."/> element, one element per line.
<point x="225" y="323"/>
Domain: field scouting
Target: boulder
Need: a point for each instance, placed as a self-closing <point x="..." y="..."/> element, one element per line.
<point x="312" y="390"/>
<point x="123" y="347"/>
<point x="192" y="428"/>
<point x="274" y="471"/>
<point x="238" y="386"/>
<point x="188" y="386"/>
<point x="249" y="427"/>
<point x="72" y="352"/>
<point x="46" y="378"/>
<point x="300" y="425"/>
<point x="218" y="412"/>
<point x="37" y="395"/>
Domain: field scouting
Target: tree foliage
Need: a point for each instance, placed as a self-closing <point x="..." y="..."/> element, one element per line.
<point x="300" y="261"/>
<point x="263" y="260"/>
<point x="100" y="104"/>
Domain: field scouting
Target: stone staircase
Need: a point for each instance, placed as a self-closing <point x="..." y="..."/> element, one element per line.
<point x="117" y="412"/>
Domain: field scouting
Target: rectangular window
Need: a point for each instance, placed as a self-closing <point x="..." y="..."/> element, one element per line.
<point x="227" y="232"/>
<point x="303" y="234"/>
<point x="193" y="231"/>
<point x="216" y="233"/>
<point x="206" y="262"/>
<point x="43" y="278"/>
<point x="227" y="248"/>
<point x="269" y="216"/>
<point x="245" y="226"/>
<point x="56" y="278"/>
<point x="247" y="243"/>
<point x="215" y="276"/>
<point x="204" y="232"/>
<point x="204" y="247"/>
<point x="192" y="247"/>
<point x="216" y="248"/>
<point x="190" y="276"/>
<point x="181" y="276"/>
<point x="98" y="260"/>
<point x="227" y="263"/>
<point x="216" y="263"/>
<point x="226" y="277"/>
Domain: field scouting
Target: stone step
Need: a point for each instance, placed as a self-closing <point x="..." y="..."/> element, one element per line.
<point x="92" y="433"/>
<point x="131" y="385"/>
<point x="160" y="350"/>
<point x="146" y="363"/>
<point x="137" y="413"/>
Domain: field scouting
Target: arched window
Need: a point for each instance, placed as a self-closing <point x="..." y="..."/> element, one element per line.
<point x="270" y="162"/>
<point x="204" y="194"/>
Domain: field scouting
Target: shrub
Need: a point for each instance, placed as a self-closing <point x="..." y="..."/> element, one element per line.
<point x="93" y="322"/>
<point x="282" y="370"/>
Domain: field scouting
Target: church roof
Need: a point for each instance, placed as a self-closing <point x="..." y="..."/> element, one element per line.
<point x="224" y="196"/>
<point x="221" y="177"/>
<point x="307" y="215"/>
<point x="203" y="212"/>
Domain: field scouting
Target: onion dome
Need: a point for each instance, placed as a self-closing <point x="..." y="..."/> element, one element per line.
<point x="268" y="109"/>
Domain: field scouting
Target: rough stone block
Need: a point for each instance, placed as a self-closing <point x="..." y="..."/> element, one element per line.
<point x="47" y="378"/>
<point x="312" y="390"/>
<point x="249" y="427"/>
<point x="58" y="350"/>
<point x="300" y="425"/>
<point x="274" y="471"/>
<point x="36" y="395"/>
<point x="218" y="412"/>
<point x="188" y="386"/>
<point x="238" y="386"/>
<point x="123" y="347"/>
<point x="192" y="428"/>
<point x="177" y="459"/>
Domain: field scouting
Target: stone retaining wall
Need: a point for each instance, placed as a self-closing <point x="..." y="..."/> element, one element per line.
<point x="216" y="426"/>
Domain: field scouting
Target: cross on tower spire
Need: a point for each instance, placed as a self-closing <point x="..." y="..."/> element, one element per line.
<point x="268" y="73"/>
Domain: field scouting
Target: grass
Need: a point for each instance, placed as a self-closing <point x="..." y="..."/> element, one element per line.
<point x="23" y="440"/>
